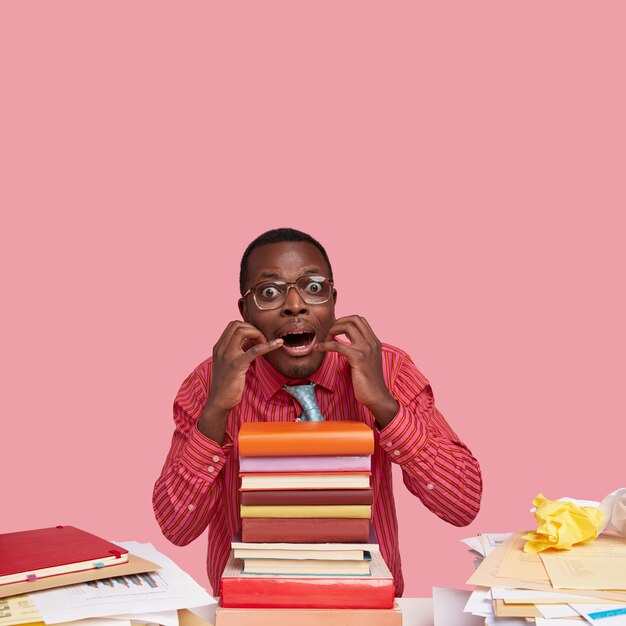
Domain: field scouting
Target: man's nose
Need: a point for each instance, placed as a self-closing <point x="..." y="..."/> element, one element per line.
<point x="294" y="304"/>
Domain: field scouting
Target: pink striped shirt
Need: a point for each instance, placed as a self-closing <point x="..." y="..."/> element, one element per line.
<point x="198" y="486"/>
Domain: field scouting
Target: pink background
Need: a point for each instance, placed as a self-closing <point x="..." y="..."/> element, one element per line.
<point x="463" y="163"/>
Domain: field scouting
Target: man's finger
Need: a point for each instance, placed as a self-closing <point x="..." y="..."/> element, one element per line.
<point x="237" y="326"/>
<point x="366" y="330"/>
<point x="249" y="334"/>
<point x="227" y="332"/>
<point x="335" y="346"/>
<point x="348" y="327"/>
<point x="260" y="349"/>
<point x="367" y="325"/>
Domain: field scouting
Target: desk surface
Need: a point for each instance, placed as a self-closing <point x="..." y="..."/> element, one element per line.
<point x="416" y="611"/>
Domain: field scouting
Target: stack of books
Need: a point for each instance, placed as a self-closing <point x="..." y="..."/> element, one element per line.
<point x="307" y="550"/>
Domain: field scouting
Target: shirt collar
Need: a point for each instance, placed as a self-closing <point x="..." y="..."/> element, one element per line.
<point x="271" y="381"/>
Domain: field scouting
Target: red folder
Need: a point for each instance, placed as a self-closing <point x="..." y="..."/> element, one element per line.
<point x="33" y="554"/>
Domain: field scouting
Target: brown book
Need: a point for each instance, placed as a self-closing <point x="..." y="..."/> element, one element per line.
<point x="275" y="548"/>
<point x="308" y="617"/>
<point x="306" y="496"/>
<point x="272" y="530"/>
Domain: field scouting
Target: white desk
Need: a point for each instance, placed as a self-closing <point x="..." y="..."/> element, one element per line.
<point x="416" y="611"/>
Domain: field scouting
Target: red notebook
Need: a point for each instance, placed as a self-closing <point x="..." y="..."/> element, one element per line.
<point x="375" y="591"/>
<point x="32" y="554"/>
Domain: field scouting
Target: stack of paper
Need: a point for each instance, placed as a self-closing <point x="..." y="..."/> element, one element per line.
<point x="307" y="551"/>
<point x="586" y="584"/>
<point x="147" y="588"/>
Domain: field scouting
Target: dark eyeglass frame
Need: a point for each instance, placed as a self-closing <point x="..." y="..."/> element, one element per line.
<point x="289" y="284"/>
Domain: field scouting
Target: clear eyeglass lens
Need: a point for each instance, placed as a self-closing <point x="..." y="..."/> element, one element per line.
<point x="312" y="289"/>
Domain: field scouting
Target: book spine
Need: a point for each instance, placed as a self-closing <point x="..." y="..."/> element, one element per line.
<point x="305" y="463"/>
<point x="315" y="530"/>
<point x="337" y="511"/>
<point x="307" y="496"/>
<point x="301" y="593"/>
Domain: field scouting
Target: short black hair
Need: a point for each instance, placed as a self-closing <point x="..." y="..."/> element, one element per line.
<point x="277" y="235"/>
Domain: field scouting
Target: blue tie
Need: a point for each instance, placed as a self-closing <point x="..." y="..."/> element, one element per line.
<point x="305" y="395"/>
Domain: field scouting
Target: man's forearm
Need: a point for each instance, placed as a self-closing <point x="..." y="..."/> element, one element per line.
<point x="212" y="422"/>
<point x="384" y="410"/>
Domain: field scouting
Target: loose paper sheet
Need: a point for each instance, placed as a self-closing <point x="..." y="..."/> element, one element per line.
<point x="168" y="589"/>
<point x="557" y="610"/>
<point x="606" y="616"/>
<point x="574" y="621"/>
<point x="491" y="541"/>
<point x="163" y="618"/>
<point x="18" y="610"/>
<point x="479" y="603"/>
<point x="448" y="608"/>
<point x="526" y="596"/>
<point x="600" y="564"/>
<point x="519" y="564"/>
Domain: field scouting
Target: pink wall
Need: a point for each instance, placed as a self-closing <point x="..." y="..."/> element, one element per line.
<point x="463" y="162"/>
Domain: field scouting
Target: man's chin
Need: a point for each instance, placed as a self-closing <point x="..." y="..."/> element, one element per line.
<point x="296" y="367"/>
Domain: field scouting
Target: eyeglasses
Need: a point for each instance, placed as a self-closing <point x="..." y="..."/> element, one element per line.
<point x="272" y="294"/>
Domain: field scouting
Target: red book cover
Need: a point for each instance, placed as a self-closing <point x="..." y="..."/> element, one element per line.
<point x="333" y="592"/>
<point x="35" y="551"/>
<point x="312" y="530"/>
<point x="307" y="496"/>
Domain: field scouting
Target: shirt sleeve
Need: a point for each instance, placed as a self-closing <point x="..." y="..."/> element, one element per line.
<point x="436" y="466"/>
<point x="187" y="491"/>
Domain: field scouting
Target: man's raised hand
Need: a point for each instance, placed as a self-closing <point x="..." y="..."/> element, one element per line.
<point x="364" y="354"/>
<point x="238" y="346"/>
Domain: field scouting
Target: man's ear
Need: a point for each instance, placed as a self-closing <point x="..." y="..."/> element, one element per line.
<point x="243" y="309"/>
<point x="334" y="296"/>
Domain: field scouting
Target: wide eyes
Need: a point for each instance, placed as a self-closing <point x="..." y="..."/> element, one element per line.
<point x="272" y="295"/>
<point x="270" y="292"/>
<point x="313" y="287"/>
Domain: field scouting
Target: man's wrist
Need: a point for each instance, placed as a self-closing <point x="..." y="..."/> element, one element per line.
<point x="212" y="422"/>
<point x="384" y="410"/>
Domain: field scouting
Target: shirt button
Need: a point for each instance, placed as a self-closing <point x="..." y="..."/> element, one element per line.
<point x="396" y="452"/>
<point x="430" y="486"/>
<point x="191" y="507"/>
<point x="389" y="444"/>
<point x="216" y="459"/>
<point x="211" y="469"/>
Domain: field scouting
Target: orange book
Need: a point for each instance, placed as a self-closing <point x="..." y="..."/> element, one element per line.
<point x="305" y="439"/>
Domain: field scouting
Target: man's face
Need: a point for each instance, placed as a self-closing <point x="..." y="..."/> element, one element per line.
<point x="307" y="324"/>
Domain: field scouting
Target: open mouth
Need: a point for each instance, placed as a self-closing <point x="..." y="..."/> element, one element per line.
<point x="298" y="340"/>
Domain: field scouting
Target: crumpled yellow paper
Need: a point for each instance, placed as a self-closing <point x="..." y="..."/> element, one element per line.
<point x="562" y="524"/>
